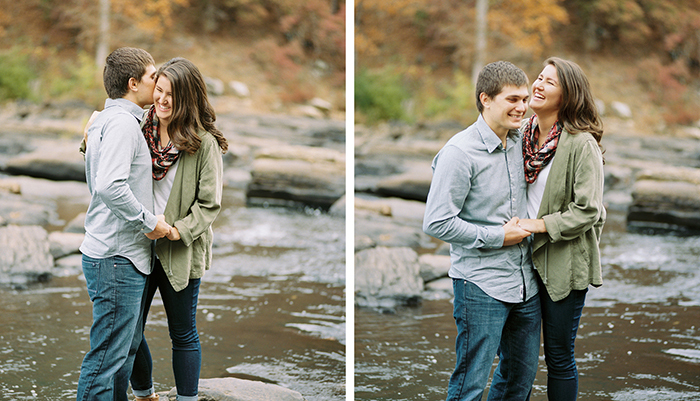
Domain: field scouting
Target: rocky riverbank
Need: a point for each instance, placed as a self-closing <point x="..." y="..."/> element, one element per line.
<point x="272" y="160"/>
<point x="653" y="180"/>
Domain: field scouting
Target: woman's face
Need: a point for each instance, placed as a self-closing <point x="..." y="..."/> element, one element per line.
<point x="546" y="91"/>
<point x="163" y="99"/>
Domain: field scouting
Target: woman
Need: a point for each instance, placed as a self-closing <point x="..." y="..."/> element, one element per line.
<point x="564" y="171"/>
<point x="186" y="150"/>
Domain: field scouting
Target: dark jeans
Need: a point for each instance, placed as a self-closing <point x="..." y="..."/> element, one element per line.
<point x="117" y="291"/>
<point x="486" y="327"/>
<point x="181" y="309"/>
<point x="560" y="322"/>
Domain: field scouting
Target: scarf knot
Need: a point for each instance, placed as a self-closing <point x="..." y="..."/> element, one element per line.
<point x="161" y="158"/>
<point x="536" y="160"/>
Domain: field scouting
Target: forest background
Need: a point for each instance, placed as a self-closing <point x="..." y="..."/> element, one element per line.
<point x="414" y="58"/>
<point x="286" y="52"/>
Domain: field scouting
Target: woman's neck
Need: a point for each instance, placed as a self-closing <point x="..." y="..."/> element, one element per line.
<point x="545" y="123"/>
<point x="163" y="133"/>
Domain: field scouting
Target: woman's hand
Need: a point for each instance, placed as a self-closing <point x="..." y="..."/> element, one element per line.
<point x="533" y="225"/>
<point x="174" y="234"/>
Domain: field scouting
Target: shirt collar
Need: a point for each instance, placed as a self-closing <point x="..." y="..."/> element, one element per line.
<point x="128" y="105"/>
<point x="490" y="139"/>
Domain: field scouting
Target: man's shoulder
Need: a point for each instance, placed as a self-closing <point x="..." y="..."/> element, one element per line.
<point x="465" y="139"/>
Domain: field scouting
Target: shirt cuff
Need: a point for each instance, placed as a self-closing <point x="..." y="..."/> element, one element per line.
<point x="494" y="237"/>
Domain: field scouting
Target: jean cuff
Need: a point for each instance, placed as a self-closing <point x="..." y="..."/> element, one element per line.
<point x="187" y="398"/>
<point x="144" y="393"/>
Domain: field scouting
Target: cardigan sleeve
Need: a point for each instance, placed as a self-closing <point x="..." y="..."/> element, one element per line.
<point x="207" y="202"/>
<point x="586" y="206"/>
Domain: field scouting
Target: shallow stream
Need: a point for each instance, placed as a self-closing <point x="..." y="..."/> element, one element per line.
<point x="272" y="308"/>
<point x="639" y="337"/>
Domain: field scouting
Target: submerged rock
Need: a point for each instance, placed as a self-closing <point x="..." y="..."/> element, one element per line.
<point x="233" y="389"/>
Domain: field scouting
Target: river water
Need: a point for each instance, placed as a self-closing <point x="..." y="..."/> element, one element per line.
<point x="272" y="308"/>
<point x="639" y="337"/>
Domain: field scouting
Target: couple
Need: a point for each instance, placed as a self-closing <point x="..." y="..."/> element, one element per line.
<point x="152" y="176"/>
<point x="494" y="185"/>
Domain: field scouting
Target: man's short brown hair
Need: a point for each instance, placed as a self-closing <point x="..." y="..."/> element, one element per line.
<point x="121" y="65"/>
<point x="494" y="76"/>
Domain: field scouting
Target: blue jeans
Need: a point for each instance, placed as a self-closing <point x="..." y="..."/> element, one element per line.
<point x="560" y="322"/>
<point x="181" y="309"/>
<point x="487" y="327"/>
<point x="116" y="290"/>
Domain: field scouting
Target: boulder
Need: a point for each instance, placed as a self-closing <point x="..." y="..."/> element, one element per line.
<point x="387" y="277"/>
<point x="239" y="89"/>
<point x="215" y="86"/>
<point x="20" y="210"/>
<point x="60" y="163"/>
<point x="434" y="267"/>
<point x="63" y="244"/>
<point x="233" y="389"/>
<point x="666" y="200"/>
<point x="621" y="110"/>
<point x="77" y="225"/>
<point x="297" y="174"/>
<point x="25" y="255"/>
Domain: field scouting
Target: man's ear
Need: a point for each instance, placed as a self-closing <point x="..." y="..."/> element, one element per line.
<point x="485" y="99"/>
<point x="133" y="84"/>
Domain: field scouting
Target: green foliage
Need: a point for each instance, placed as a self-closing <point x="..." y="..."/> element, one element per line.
<point x="453" y="100"/>
<point x="75" y="79"/>
<point x="16" y="75"/>
<point x="380" y="95"/>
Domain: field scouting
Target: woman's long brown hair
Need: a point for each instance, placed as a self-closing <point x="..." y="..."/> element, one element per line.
<point x="191" y="108"/>
<point x="577" y="111"/>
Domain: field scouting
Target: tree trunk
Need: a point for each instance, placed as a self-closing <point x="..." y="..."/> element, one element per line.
<point x="335" y="6"/>
<point x="482" y="7"/>
<point x="103" y="39"/>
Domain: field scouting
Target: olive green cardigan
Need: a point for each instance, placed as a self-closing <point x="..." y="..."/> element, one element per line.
<point x="193" y="204"/>
<point x="567" y="257"/>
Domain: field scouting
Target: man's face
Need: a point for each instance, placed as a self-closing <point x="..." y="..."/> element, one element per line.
<point x="506" y="111"/>
<point x="145" y="87"/>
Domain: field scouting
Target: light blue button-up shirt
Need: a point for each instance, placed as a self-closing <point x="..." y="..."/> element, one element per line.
<point x="118" y="171"/>
<point x="477" y="187"/>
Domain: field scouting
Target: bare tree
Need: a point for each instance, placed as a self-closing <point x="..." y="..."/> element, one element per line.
<point x="103" y="39"/>
<point x="482" y="8"/>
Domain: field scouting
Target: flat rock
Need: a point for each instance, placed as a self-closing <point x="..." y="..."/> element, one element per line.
<point x="59" y="162"/>
<point x="233" y="389"/>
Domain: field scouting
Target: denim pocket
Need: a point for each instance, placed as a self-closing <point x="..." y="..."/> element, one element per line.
<point x="91" y="271"/>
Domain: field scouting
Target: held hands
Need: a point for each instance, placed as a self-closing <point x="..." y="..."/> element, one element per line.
<point x="514" y="234"/>
<point x="533" y="225"/>
<point x="162" y="229"/>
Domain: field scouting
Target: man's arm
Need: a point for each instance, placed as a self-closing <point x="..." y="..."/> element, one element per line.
<point x="448" y="191"/>
<point x="116" y="154"/>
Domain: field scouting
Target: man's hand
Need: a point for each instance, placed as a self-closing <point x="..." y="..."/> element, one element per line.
<point x="162" y="229"/>
<point x="514" y="234"/>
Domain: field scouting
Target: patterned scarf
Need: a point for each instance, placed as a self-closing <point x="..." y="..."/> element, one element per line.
<point x="536" y="160"/>
<point x="162" y="158"/>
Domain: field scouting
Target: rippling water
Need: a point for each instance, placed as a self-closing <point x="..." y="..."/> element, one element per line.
<point x="639" y="337"/>
<point x="271" y="308"/>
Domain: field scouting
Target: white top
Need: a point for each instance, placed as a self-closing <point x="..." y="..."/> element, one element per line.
<point x="162" y="188"/>
<point x="535" y="191"/>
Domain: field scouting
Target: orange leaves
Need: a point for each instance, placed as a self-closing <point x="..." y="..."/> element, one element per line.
<point x="152" y="16"/>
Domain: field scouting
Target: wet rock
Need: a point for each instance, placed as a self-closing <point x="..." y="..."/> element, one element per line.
<point x="63" y="244"/>
<point x="215" y="86"/>
<point x="77" y="225"/>
<point x="233" y="389"/>
<point x="387" y="277"/>
<point x="20" y="210"/>
<point x="390" y="222"/>
<point x="434" y="267"/>
<point x="299" y="174"/>
<point x="59" y="163"/>
<point x="666" y="200"/>
<point x="338" y="208"/>
<point x="25" y="255"/>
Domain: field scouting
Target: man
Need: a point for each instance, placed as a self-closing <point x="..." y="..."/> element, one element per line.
<point x="476" y="198"/>
<point x="119" y="225"/>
